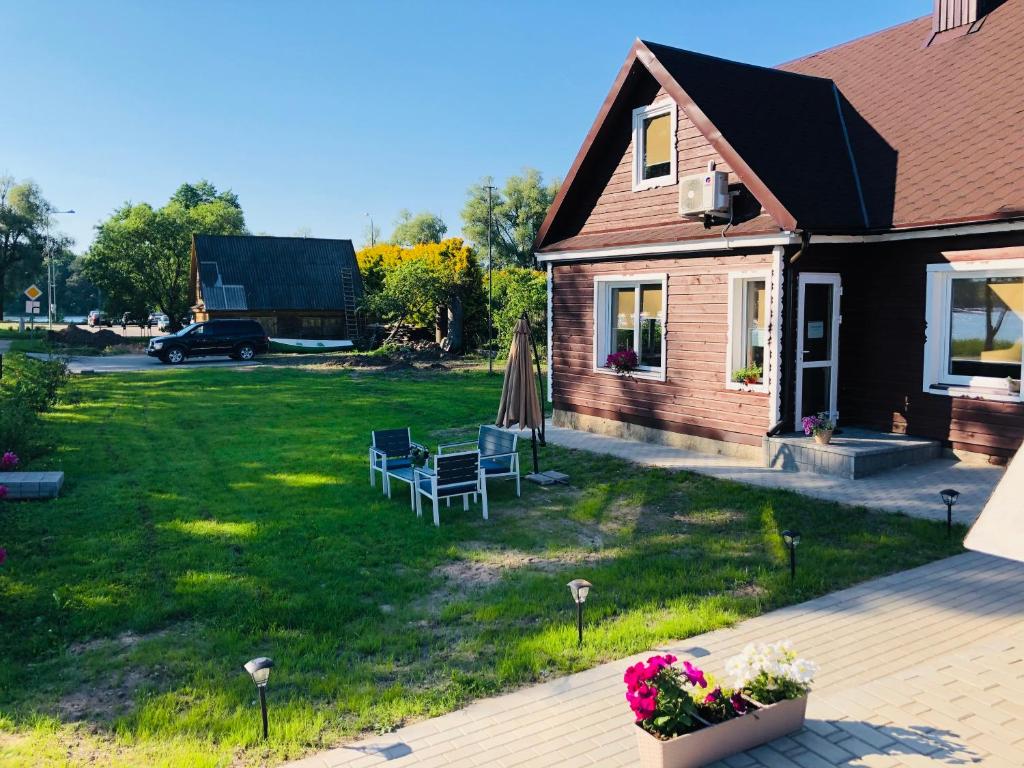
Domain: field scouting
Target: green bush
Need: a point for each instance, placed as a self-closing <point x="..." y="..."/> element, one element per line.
<point x="35" y="384"/>
<point x="518" y="290"/>
<point x="18" y="426"/>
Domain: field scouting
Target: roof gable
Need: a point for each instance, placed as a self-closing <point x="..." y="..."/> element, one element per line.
<point x="252" y="273"/>
<point x="747" y="114"/>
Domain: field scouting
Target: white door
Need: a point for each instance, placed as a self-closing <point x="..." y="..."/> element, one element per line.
<point x="817" y="344"/>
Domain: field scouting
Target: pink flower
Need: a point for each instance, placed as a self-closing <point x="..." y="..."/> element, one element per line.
<point x="694" y="675"/>
<point x="3" y="552"/>
<point x="738" y="704"/>
<point x="714" y="696"/>
<point x="643" y="701"/>
<point x="9" y="460"/>
<point x="3" y="491"/>
<point x="634" y="676"/>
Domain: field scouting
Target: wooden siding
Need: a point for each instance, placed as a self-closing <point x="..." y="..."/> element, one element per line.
<point x="881" y="347"/>
<point x="694" y="399"/>
<point x="619" y="206"/>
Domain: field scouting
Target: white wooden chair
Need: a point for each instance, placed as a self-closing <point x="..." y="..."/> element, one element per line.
<point x="453" y="475"/>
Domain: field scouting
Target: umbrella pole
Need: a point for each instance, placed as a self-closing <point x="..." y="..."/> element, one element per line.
<point x="533" y="441"/>
<point x="540" y="379"/>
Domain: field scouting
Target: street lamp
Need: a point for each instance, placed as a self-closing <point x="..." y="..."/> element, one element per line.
<point x="259" y="669"/>
<point x="51" y="285"/>
<point x="579" y="588"/>
<point x="792" y="540"/>
<point x="373" y="241"/>
<point x="949" y="498"/>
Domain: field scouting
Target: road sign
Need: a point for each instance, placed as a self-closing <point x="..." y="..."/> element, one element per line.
<point x="33" y="292"/>
<point x="32" y="308"/>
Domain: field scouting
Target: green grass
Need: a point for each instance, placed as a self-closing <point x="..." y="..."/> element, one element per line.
<point x="214" y="515"/>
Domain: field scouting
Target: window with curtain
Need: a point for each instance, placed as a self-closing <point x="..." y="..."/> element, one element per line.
<point x="631" y="316"/>
<point x="654" y="145"/>
<point x="748" y="328"/>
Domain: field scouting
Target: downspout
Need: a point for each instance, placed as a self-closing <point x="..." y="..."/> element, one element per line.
<point x="788" y="308"/>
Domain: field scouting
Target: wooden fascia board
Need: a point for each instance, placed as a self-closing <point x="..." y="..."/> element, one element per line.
<point x="588" y="142"/>
<point x="758" y="188"/>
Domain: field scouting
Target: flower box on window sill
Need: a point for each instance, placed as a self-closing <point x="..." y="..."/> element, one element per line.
<point x="739" y="386"/>
<point x="639" y="373"/>
<point x="715" y="742"/>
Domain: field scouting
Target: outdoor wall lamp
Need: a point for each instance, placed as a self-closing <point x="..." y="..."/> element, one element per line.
<point x="259" y="669"/>
<point x="579" y="588"/>
<point x="949" y="497"/>
<point x="792" y="540"/>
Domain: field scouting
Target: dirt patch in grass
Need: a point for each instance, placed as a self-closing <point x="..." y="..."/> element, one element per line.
<point x="123" y="642"/>
<point x="488" y="563"/>
<point x="102" y="700"/>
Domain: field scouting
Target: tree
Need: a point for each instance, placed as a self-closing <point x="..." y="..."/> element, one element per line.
<point x="518" y="211"/>
<point x="24" y="216"/>
<point x="444" y="289"/>
<point x="140" y="258"/>
<point x="424" y="227"/>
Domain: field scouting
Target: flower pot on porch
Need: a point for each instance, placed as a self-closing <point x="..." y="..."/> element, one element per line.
<point x="824" y="437"/>
<point x="715" y="742"/>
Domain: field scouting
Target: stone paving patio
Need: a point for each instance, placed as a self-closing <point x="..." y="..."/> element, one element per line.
<point x="921" y="668"/>
<point x="913" y="490"/>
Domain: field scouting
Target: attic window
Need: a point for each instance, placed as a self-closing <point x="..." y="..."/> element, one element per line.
<point x="654" y="146"/>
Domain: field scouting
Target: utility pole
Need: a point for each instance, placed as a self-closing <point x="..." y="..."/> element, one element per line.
<point x="373" y="240"/>
<point x="51" y="281"/>
<point x="490" y="285"/>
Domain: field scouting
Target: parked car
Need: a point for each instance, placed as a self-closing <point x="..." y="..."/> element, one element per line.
<point x="238" y="339"/>
<point x="97" y="318"/>
<point x="163" y="323"/>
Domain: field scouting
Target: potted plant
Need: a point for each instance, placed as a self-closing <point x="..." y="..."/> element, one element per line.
<point x="820" y="425"/>
<point x="749" y="375"/>
<point x="685" y="720"/>
<point x="624" y="362"/>
<point x="1012" y="385"/>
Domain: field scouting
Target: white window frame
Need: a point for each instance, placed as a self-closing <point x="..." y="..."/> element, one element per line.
<point x="639" y="115"/>
<point x="603" y="285"/>
<point x="938" y="297"/>
<point x="734" y="345"/>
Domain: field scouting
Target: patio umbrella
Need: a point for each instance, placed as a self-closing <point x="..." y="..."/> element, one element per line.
<point x="999" y="530"/>
<point x="520" y="402"/>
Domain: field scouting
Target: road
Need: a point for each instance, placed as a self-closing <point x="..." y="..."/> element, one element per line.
<point x="123" y="363"/>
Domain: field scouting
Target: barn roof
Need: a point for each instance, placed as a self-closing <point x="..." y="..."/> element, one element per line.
<point x="885" y="132"/>
<point x="256" y="272"/>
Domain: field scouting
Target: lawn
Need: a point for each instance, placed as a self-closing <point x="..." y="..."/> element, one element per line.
<point x="214" y="515"/>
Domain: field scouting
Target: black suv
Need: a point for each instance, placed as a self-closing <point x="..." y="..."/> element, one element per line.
<point x="239" y="339"/>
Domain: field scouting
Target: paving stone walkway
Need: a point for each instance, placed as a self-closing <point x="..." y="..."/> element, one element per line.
<point x="921" y="668"/>
<point x="913" y="490"/>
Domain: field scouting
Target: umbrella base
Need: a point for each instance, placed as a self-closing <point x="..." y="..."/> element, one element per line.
<point x="547" y="478"/>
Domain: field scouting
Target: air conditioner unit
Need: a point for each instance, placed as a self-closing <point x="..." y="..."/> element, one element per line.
<point x="704" y="193"/>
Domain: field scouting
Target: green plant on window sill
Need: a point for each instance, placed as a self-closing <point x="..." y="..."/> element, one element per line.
<point x="749" y="375"/>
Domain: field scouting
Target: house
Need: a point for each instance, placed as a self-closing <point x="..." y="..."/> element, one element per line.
<point x="297" y="287"/>
<point x="848" y="227"/>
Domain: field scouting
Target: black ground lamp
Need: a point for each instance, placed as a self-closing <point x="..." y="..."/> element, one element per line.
<point x="792" y="539"/>
<point x="949" y="497"/>
<point x="259" y="669"/>
<point x="579" y="588"/>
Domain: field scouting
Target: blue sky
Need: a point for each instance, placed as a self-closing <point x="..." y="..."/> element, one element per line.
<point x="316" y="113"/>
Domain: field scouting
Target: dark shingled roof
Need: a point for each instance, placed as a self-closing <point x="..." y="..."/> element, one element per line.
<point x="881" y="133"/>
<point x="249" y="272"/>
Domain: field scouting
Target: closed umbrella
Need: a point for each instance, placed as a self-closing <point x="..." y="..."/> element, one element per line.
<point x="520" y="402"/>
<point x="999" y="530"/>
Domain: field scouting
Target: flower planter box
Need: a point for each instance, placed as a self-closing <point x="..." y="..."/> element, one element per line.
<point x="707" y="745"/>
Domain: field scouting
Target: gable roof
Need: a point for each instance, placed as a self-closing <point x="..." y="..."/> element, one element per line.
<point x="877" y="134"/>
<point x="255" y="272"/>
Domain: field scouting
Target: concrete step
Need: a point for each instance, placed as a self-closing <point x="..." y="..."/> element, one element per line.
<point x="854" y="453"/>
<point x="32" y="485"/>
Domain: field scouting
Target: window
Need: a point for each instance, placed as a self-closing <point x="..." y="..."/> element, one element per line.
<point x="654" y="146"/>
<point x="748" y="330"/>
<point x="975" y="335"/>
<point x="630" y="314"/>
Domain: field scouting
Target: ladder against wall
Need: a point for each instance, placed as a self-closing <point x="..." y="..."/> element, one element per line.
<point x="348" y="293"/>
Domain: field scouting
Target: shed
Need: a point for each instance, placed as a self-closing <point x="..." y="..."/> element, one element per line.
<point x="297" y="287"/>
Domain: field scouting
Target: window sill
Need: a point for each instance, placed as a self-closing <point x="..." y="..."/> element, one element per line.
<point x="648" y="375"/>
<point x="974" y="393"/>
<point x="738" y="386"/>
<point x="661" y="181"/>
